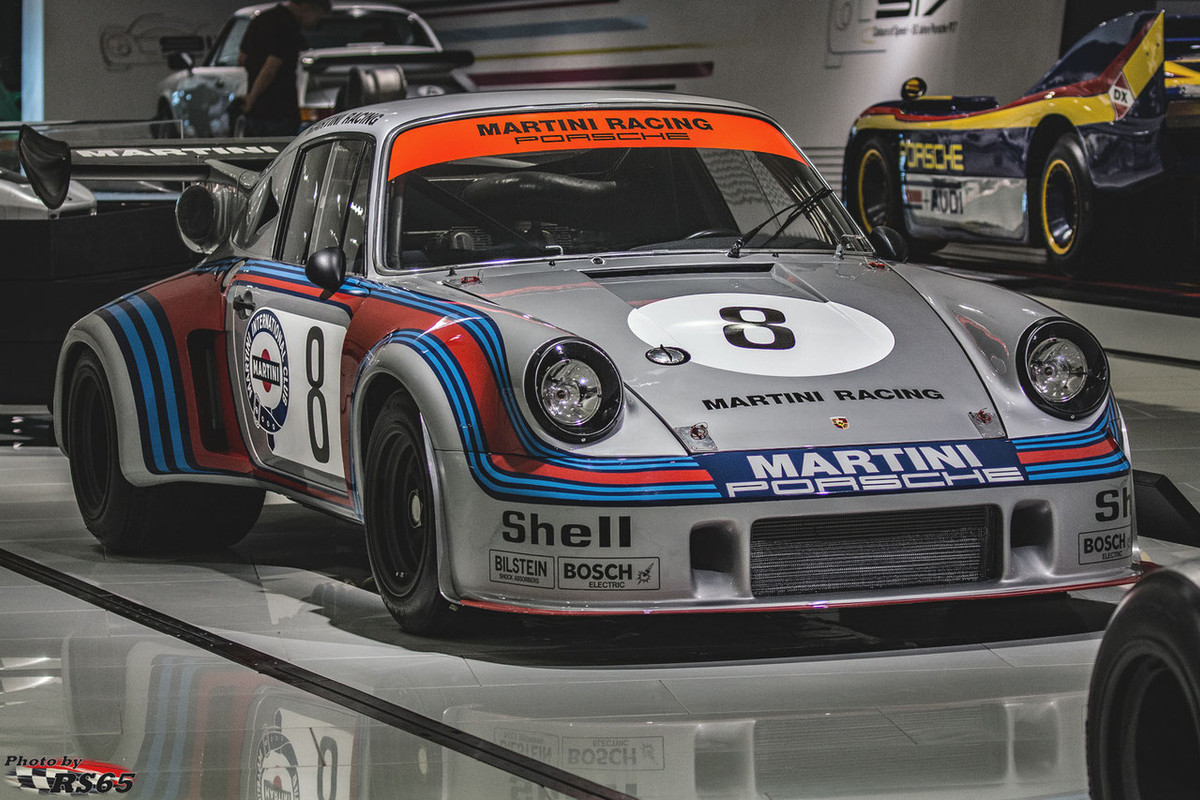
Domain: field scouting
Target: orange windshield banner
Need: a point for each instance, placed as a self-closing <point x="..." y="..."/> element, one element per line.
<point x="508" y="134"/>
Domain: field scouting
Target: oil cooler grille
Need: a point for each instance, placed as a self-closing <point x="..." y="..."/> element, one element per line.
<point x="888" y="550"/>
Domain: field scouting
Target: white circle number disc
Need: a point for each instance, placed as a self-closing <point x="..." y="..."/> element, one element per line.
<point x="761" y="334"/>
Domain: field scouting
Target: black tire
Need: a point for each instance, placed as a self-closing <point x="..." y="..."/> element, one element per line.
<point x="399" y="514"/>
<point x="874" y="189"/>
<point x="1067" y="212"/>
<point x="1143" y="722"/>
<point x="142" y="519"/>
<point x="874" y="185"/>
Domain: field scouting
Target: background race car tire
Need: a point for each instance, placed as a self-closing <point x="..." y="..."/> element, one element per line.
<point x="399" y="514"/>
<point x="1143" y="720"/>
<point x="140" y="519"/>
<point x="1067" y="209"/>
<point x="874" y="188"/>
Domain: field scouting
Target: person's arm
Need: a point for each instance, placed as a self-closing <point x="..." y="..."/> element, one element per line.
<point x="270" y="69"/>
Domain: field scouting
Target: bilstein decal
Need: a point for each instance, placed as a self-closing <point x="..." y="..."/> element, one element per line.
<point x="568" y="130"/>
<point x="521" y="569"/>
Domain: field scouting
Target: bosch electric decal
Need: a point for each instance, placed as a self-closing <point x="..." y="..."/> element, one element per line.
<point x="1107" y="545"/>
<point x="821" y="471"/>
<point x="265" y="369"/>
<point x="67" y="775"/>
<point x="629" y="574"/>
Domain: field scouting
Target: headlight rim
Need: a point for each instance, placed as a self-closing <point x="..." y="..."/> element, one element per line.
<point x="1092" y="396"/>
<point x="612" y="389"/>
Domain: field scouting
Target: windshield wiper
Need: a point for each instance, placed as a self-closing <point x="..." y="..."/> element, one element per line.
<point x="797" y="208"/>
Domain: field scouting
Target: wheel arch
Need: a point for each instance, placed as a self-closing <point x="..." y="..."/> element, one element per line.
<point x="389" y="369"/>
<point x="90" y="334"/>
<point x="392" y="369"/>
<point x="1048" y="131"/>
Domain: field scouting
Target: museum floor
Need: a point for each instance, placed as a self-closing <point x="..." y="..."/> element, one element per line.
<point x="266" y="671"/>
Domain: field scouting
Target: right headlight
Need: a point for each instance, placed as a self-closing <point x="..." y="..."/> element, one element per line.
<point x="1063" y="369"/>
<point x="574" y="390"/>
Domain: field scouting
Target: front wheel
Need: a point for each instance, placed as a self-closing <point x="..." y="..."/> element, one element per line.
<point x="1143" y="717"/>
<point x="140" y="519"/>
<point x="401" y="523"/>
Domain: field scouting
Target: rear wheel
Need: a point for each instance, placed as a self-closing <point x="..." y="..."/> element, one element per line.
<point x="875" y="193"/>
<point x="1067" y="208"/>
<point x="401" y="523"/>
<point x="137" y="519"/>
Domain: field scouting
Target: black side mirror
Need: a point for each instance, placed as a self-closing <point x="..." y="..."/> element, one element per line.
<point x="888" y="243"/>
<point x="180" y="61"/>
<point x="326" y="268"/>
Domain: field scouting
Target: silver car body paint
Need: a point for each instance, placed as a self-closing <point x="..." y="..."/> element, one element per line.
<point x="932" y="415"/>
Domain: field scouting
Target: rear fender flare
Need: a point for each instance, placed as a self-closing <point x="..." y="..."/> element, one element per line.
<point x="90" y="333"/>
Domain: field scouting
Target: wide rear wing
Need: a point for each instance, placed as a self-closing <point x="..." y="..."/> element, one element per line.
<point x="50" y="164"/>
<point x="414" y="63"/>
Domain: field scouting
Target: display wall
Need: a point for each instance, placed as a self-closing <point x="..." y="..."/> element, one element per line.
<point x="812" y="63"/>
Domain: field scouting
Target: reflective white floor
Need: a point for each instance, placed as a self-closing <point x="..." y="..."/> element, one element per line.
<point x="979" y="699"/>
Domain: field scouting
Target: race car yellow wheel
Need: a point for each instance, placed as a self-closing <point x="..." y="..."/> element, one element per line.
<point x="401" y="520"/>
<point x="1065" y="207"/>
<point x="877" y="192"/>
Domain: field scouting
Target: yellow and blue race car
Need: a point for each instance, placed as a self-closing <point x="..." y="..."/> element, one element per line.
<point x="1111" y="121"/>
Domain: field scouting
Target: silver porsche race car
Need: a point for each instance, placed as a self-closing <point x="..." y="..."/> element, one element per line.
<point x="591" y="353"/>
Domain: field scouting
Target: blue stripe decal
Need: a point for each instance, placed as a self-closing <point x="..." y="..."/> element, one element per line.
<point x="150" y="403"/>
<point x="167" y="381"/>
<point x="441" y="360"/>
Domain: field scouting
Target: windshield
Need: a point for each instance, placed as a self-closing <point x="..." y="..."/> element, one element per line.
<point x="607" y="200"/>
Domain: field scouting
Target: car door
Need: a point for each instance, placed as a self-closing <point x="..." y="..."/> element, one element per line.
<point x="285" y="351"/>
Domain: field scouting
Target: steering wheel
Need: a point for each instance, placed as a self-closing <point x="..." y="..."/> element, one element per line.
<point x="707" y="232"/>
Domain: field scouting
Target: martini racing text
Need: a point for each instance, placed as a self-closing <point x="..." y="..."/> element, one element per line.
<point x="899" y="468"/>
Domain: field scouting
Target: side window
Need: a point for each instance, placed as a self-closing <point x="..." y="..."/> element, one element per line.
<point x="255" y="232"/>
<point x="330" y="201"/>
<point x="225" y="54"/>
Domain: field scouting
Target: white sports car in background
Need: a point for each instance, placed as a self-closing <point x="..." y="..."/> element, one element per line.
<point x="354" y="34"/>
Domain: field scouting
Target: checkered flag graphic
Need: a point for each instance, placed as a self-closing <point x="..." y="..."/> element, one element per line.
<point x="34" y="778"/>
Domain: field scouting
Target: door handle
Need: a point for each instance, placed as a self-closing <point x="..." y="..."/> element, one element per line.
<point x="243" y="303"/>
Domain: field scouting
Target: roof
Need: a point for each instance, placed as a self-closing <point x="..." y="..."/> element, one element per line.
<point x="405" y="112"/>
<point x="258" y="8"/>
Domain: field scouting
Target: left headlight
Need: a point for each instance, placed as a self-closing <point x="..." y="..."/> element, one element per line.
<point x="574" y="390"/>
<point x="1062" y="368"/>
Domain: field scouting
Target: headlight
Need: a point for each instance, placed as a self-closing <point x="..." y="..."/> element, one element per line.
<point x="1063" y="369"/>
<point x="574" y="390"/>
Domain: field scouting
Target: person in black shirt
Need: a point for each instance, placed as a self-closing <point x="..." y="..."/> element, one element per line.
<point x="269" y="52"/>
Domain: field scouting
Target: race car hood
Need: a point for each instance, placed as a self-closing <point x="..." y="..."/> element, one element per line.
<point x="819" y="351"/>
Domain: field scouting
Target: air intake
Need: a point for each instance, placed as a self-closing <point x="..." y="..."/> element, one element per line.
<point x="862" y="552"/>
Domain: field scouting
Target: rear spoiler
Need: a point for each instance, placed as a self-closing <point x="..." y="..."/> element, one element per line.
<point x="51" y="164"/>
<point x="319" y="61"/>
